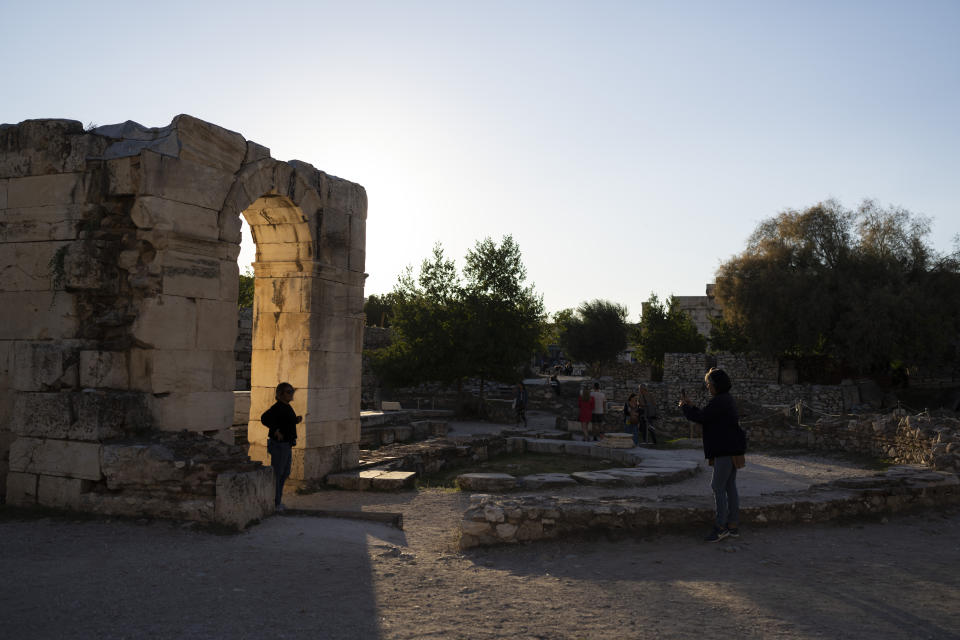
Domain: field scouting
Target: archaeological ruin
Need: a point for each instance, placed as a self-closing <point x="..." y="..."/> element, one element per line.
<point x="118" y="317"/>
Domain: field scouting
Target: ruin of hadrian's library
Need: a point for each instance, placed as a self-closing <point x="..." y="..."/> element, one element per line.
<point x="118" y="317"/>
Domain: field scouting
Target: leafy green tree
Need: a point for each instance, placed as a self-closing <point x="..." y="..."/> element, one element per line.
<point x="596" y="333"/>
<point x="862" y="287"/>
<point x="245" y="297"/>
<point x="379" y="310"/>
<point x="447" y="328"/>
<point x="665" y="328"/>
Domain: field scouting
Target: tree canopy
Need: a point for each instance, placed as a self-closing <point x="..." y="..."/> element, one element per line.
<point x="665" y="328"/>
<point x="861" y="286"/>
<point x="484" y="324"/>
<point x="596" y="332"/>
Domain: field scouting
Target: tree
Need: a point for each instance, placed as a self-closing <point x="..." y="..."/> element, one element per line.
<point x="665" y="328"/>
<point x="379" y="310"/>
<point x="245" y="295"/>
<point x="447" y="328"/>
<point x="862" y="287"/>
<point x="596" y="333"/>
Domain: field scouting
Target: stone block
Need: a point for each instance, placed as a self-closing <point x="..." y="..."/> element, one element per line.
<point x="331" y="403"/>
<point x="269" y="368"/>
<point x="61" y="493"/>
<point x="229" y="280"/>
<point x="56" y="458"/>
<point x="244" y="497"/>
<point x="189" y="275"/>
<point x="329" y="433"/>
<point x="241" y="407"/>
<point x="104" y="369"/>
<point x="282" y="294"/>
<point x="41" y="224"/>
<point x="199" y="411"/>
<point x="169" y="370"/>
<point x="486" y="482"/>
<point x="37" y="315"/>
<point x="547" y="481"/>
<point x="39" y="191"/>
<point x="167" y="322"/>
<point x="393" y="481"/>
<point x="183" y="181"/>
<point x="21" y="489"/>
<point x="4" y="187"/>
<point x="44" y="365"/>
<point x="27" y="266"/>
<point x="123" y="175"/>
<point x="178" y="218"/>
<point x="207" y="144"/>
<point x="216" y="325"/>
<point x="133" y="465"/>
<point x="335" y="239"/>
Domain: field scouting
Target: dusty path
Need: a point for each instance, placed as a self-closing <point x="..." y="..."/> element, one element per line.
<point x="309" y="577"/>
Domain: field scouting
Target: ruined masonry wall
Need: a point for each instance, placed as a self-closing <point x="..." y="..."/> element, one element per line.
<point x="118" y="303"/>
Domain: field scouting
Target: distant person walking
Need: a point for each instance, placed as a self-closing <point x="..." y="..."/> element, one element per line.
<point x="650" y="415"/>
<point x="599" y="401"/>
<point x="520" y="403"/>
<point x="632" y="415"/>
<point x="281" y="422"/>
<point x="724" y="444"/>
<point x="585" y="401"/>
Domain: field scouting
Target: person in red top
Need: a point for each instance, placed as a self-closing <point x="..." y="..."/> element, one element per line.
<point x="585" y="401"/>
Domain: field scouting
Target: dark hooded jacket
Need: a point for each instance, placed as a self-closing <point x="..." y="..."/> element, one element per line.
<point x="722" y="435"/>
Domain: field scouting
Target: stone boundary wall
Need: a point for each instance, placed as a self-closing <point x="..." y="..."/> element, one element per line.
<point x="503" y="520"/>
<point x="243" y="350"/>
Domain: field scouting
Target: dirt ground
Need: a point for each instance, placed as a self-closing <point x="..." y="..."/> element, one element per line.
<point x="299" y="576"/>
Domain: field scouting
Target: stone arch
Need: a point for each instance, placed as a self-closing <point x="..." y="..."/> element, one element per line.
<point x="119" y="325"/>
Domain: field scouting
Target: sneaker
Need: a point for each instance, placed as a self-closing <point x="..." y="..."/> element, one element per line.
<point x="733" y="532"/>
<point x="716" y="535"/>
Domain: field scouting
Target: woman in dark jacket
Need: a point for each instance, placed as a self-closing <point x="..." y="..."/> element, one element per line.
<point x="724" y="444"/>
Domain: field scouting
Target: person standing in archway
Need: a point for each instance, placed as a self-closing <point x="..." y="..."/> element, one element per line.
<point x="281" y="422"/>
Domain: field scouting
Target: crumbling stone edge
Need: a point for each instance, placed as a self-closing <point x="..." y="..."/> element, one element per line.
<point x="492" y="519"/>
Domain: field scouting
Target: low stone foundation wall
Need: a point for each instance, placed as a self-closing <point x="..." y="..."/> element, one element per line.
<point x="504" y="520"/>
<point x="180" y="475"/>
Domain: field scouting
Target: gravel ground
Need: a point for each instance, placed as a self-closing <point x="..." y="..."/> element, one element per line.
<point x="311" y="577"/>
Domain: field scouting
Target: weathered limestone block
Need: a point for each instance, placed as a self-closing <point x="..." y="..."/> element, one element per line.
<point x="277" y="294"/>
<point x="141" y="465"/>
<point x="56" y="458"/>
<point x="547" y="481"/>
<point x="26" y="266"/>
<point x="324" y="433"/>
<point x="146" y="504"/>
<point x="268" y="368"/>
<point x="241" y="407"/>
<point x="199" y="411"/>
<point x="40" y="224"/>
<point x="21" y="489"/>
<point x="244" y="497"/>
<point x="104" y="369"/>
<point x="61" y="493"/>
<point x="229" y="280"/>
<point x="216" y="325"/>
<point x="176" y="217"/>
<point x="183" y="181"/>
<point x="331" y="403"/>
<point x="188" y="275"/>
<point x="39" y="147"/>
<point x="44" y="365"/>
<point x="486" y="482"/>
<point x="207" y="144"/>
<point x="168" y="370"/>
<point x="167" y="322"/>
<point x="37" y="315"/>
<point x="39" y="191"/>
<point x="3" y="192"/>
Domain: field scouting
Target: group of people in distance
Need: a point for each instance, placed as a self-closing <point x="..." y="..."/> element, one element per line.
<point x="724" y="441"/>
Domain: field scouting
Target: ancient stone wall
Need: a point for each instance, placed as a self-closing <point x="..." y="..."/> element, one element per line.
<point x="118" y="300"/>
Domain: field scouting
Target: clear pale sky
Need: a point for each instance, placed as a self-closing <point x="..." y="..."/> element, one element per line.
<point x="629" y="147"/>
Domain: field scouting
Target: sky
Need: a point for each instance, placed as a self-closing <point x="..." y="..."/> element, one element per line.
<point x="628" y="147"/>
